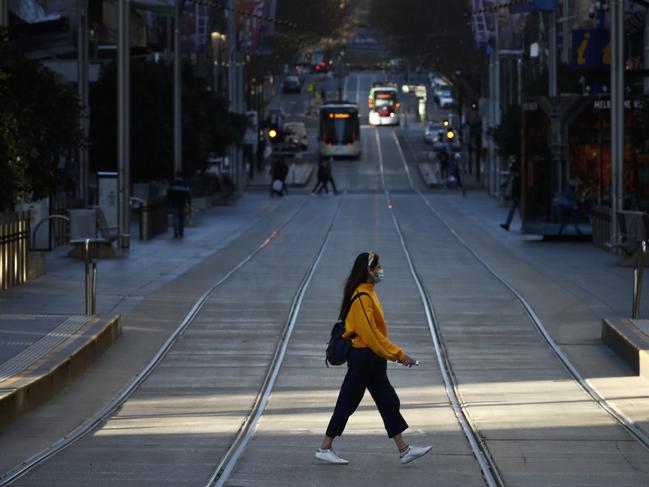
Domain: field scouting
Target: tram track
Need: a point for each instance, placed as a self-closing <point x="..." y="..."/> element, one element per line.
<point x="598" y="401"/>
<point x="614" y="412"/>
<point x="225" y="465"/>
<point x="480" y="451"/>
<point x="228" y="462"/>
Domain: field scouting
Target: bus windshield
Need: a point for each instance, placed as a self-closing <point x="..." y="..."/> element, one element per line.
<point x="339" y="126"/>
<point x="384" y="99"/>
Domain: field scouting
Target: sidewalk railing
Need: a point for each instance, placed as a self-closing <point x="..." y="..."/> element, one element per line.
<point x="14" y="249"/>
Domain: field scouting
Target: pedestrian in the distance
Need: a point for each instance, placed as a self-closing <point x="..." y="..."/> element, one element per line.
<point x="442" y="157"/>
<point x="515" y="181"/>
<point x="455" y="172"/>
<point x="568" y="203"/>
<point x="279" y="172"/>
<point x="322" y="178"/>
<point x="329" y="178"/>
<point x="367" y="363"/>
<point x="179" y="197"/>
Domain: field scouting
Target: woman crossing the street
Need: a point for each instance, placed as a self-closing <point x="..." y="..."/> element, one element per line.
<point x="367" y="362"/>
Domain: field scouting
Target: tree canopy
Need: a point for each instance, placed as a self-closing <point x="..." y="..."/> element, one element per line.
<point x="208" y="127"/>
<point x="39" y="123"/>
<point x="435" y="34"/>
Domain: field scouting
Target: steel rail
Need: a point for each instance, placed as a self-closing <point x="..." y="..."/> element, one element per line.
<point x="480" y="451"/>
<point x="92" y="423"/>
<point x="225" y="467"/>
<point x="622" y="419"/>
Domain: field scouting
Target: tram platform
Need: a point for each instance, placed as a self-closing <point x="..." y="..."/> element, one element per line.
<point x="54" y="349"/>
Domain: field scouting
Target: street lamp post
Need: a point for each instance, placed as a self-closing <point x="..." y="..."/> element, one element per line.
<point x="235" y="89"/>
<point x="82" y="85"/>
<point x="178" y="162"/>
<point x="217" y="42"/>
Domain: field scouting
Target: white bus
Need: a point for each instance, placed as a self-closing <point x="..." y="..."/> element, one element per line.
<point x="383" y="103"/>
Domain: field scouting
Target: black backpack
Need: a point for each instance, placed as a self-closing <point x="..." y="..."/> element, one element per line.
<point x="338" y="347"/>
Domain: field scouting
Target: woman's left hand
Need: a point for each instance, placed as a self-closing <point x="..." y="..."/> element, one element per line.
<point x="408" y="361"/>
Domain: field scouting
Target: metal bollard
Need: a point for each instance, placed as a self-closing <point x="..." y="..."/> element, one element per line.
<point x="637" y="280"/>
<point x="90" y="280"/>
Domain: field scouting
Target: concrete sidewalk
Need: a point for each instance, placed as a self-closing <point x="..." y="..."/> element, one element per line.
<point x="590" y="273"/>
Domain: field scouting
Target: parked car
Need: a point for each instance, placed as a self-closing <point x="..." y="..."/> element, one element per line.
<point x="292" y="84"/>
<point x="295" y="136"/>
<point x="443" y="95"/>
<point x="432" y="131"/>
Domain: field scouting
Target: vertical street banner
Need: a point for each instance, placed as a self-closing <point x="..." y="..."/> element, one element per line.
<point x="267" y="29"/>
<point x="511" y="24"/>
<point x="483" y="25"/>
<point x="256" y="26"/>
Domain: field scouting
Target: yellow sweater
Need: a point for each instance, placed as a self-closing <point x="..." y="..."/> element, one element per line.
<point x="365" y="318"/>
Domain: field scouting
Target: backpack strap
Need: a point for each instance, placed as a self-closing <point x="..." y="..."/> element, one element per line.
<point x="354" y="298"/>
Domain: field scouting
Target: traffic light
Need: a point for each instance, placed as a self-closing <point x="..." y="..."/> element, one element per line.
<point x="275" y="135"/>
<point x="445" y="123"/>
<point x="450" y="134"/>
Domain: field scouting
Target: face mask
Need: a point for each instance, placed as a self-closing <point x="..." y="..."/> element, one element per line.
<point x="379" y="276"/>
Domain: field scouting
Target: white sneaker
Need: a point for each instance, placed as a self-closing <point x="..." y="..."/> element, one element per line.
<point x="329" y="456"/>
<point x="413" y="453"/>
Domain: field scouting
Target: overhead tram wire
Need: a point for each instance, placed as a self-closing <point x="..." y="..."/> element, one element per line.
<point x="615" y="413"/>
<point x="225" y="467"/>
<point x="95" y="421"/>
<point x="480" y="451"/>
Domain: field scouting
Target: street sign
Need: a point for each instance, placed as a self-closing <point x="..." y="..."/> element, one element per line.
<point x="591" y="48"/>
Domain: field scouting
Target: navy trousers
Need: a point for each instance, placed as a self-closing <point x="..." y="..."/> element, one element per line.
<point x="366" y="370"/>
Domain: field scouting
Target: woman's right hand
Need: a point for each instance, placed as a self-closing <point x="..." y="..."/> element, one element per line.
<point x="408" y="361"/>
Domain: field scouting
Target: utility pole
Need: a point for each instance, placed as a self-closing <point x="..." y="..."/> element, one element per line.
<point x="178" y="136"/>
<point x="82" y="86"/>
<point x="519" y="79"/>
<point x="496" y="111"/>
<point x="4" y="13"/>
<point x="617" y="110"/>
<point x="123" y="121"/>
<point x="565" y="29"/>
<point x="490" y="118"/>
<point x="646" y="52"/>
<point x="552" y="58"/>
<point x="234" y="90"/>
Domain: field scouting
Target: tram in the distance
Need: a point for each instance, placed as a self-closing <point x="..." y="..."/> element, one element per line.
<point x="339" y="134"/>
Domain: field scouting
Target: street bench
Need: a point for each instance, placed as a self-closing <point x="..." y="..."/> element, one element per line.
<point x="90" y="224"/>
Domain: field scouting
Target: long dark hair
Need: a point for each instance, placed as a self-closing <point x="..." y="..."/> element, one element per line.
<point x="357" y="276"/>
